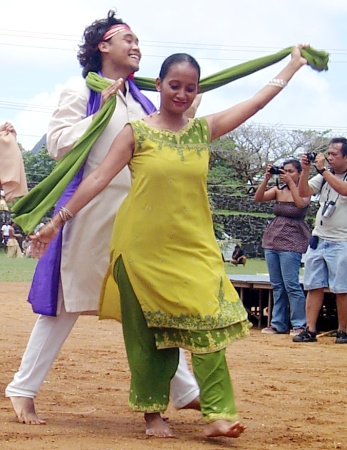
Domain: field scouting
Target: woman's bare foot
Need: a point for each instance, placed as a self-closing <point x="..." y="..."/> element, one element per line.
<point x="24" y="409"/>
<point x="194" y="404"/>
<point x="157" y="427"/>
<point x="224" y="428"/>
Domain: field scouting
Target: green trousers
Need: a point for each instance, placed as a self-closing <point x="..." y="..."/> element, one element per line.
<point x="152" y="369"/>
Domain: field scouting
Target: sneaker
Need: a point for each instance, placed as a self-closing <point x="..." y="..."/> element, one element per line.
<point x="269" y="330"/>
<point x="296" y="331"/>
<point x="341" y="337"/>
<point x="305" y="336"/>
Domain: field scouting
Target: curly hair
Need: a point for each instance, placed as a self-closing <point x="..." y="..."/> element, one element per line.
<point x="89" y="55"/>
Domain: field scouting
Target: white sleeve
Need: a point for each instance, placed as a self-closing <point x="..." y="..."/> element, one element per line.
<point x="69" y="120"/>
<point x="316" y="183"/>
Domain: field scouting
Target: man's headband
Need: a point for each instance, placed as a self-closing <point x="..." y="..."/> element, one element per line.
<point x="115" y="29"/>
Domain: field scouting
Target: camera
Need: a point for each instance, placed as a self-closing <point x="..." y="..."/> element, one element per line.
<point x="328" y="209"/>
<point x="276" y="170"/>
<point x="311" y="156"/>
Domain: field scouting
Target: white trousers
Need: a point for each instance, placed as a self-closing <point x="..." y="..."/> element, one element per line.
<point x="46" y="340"/>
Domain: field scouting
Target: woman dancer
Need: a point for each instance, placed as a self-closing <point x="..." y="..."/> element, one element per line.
<point x="174" y="291"/>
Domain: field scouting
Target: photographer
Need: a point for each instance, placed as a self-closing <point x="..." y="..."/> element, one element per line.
<point x="327" y="254"/>
<point x="285" y="239"/>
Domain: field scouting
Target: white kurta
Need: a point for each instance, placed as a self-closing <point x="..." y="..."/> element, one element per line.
<point x="85" y="251"/>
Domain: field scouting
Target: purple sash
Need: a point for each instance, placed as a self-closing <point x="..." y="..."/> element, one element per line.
<point x="43" y="294"/>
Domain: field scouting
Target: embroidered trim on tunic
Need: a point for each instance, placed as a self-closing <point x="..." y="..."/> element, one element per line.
<point x="167" y="138"/>
<point x="201" y="342"/>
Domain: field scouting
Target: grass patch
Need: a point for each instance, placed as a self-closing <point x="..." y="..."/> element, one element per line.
<point x="254" y="266"/>
<point x="22" y="269"/>
<point x="16" y="269"/>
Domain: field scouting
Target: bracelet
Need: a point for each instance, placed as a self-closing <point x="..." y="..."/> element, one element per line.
<point x="65" y="214"/>
<point x="53" y="226"/>
<point x="278" y="82"/>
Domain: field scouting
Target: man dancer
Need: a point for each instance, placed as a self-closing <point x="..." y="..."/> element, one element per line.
<point x="111" y="49"/>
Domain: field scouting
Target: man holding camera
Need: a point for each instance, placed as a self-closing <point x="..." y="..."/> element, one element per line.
<point x="328" y="246"/>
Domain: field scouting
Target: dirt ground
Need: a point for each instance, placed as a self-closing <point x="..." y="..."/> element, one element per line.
<point x="290" y="396"/>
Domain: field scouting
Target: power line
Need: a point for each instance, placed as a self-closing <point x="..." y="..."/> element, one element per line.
<point x="74" y="39"/>
<point x="26" y="107"/>
<point x="334" y="129"/>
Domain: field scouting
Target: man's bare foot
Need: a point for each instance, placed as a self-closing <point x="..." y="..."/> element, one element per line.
<point x="194" y="404"/>
<point x="157" y="427"/>
<point x="224" y="428"/>
<point x="25" y="411"/>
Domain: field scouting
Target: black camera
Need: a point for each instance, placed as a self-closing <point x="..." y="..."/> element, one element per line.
<point x="276" y="170"/>
<point x="311" y="156"/>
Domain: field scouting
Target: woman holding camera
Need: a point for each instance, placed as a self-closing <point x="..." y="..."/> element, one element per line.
<point x="285" y="239"/>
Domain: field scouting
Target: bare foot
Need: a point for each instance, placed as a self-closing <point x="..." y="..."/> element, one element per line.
<point x="224" y="428"/>
<point x="25" y="411"/>
<point x="194" y="404"/>
<point x="157" y="427"/>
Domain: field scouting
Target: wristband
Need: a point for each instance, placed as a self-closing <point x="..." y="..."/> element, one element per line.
<point x="322" y="170"/>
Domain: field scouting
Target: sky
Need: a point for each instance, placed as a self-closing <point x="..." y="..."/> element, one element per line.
<point x="39" y="41"/>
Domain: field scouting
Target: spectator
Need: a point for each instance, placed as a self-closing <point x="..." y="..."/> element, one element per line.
<point x="5" y="232"/>
<point x="13" y="248"/>
<point x="238" y="256"/>
<point x="326" y="258"/>
<point x="26" y="246"/>
<point x="285" y="239"/>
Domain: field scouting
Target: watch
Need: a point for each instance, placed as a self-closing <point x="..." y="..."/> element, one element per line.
<point x="322" y="170"/>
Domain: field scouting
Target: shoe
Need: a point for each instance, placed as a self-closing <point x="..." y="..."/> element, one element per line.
<point x="269" y="330"/>
<point x="341" y="337"/>
<point x="296" y="331"/>
<point x="305" y="336"/>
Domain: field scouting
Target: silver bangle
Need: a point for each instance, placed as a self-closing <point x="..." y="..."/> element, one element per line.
<point x="278" y="82"/>
<point x="65" y="214"/>
<point x="53" y="226"/>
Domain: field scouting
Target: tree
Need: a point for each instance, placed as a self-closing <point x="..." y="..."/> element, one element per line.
<point x="248" y="149"/>
<point x="37" y="166"/>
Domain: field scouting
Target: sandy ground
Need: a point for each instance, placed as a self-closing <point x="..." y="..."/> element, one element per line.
<point x="290" y="396"/>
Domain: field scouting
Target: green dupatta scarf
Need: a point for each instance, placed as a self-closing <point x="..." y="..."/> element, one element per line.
<point x="29" y="210"/>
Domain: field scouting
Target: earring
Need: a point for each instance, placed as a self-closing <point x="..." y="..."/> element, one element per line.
<point x="158" y="102"/>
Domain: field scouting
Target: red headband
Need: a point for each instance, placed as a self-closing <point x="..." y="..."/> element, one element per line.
<point x="115" y="29"/>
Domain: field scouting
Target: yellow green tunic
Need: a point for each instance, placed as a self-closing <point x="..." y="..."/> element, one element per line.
<point x="164" y="234"/>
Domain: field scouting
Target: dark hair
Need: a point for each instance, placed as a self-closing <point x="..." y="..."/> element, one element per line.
<point x="89" y="55"/>
<point x="340" y="140"/>
<point x="178" y="58"/>
<point x="294" y="162"/>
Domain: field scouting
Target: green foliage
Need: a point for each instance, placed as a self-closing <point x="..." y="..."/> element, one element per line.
<point x="37" y="166"/>
<point x="221" y="172"/>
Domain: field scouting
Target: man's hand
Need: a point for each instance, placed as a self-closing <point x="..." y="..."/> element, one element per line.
<point x="110" y="90"/>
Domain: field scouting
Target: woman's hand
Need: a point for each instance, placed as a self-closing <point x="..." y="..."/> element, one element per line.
<point x="297" y="57"/>
<point x="110" y="90"/>
<point x="42" y="237"/>
<point x="286" y="178"/>
<point x="268" y="174"/>
<point x="8" y="127"/>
